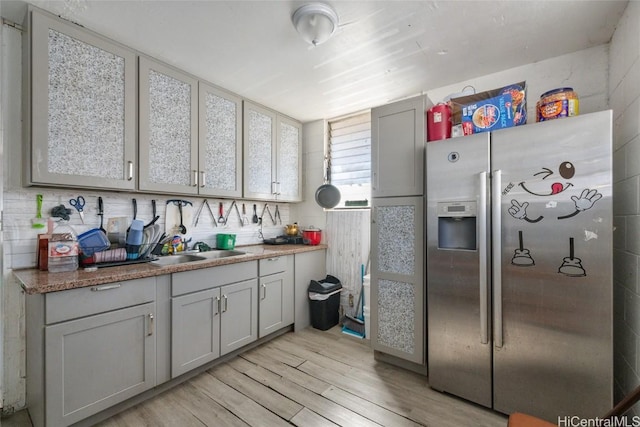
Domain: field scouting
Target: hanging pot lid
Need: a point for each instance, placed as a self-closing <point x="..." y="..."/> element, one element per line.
<point x="327" y="195"/>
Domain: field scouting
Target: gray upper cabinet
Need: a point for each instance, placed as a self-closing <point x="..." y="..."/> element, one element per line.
<point x="168" y="122"/>
<point x="220" y="142"/>
<point x="272" y="155"/>
<point x="397" y="148"/>
<point x="289" y="160"/>
<point x="83" y="107"/>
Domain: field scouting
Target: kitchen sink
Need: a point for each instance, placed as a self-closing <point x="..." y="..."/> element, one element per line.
<point x="220" y="253"/>
<point x="190" y="257"/>
<point x="176" y="259"/>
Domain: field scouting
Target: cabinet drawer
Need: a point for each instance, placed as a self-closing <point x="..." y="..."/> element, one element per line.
<point x="67" y="305"/>
<point x="272" y="265"/>
<point x="198" y="280"/>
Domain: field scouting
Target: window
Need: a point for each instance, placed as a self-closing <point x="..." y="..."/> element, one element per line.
<point x="350" y="159"/>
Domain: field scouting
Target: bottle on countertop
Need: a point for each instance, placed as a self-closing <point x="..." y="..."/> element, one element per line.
<point x="63" y="249"/>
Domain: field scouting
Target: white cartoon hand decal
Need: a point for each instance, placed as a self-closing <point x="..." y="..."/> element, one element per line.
<point x="586" y="200"/>
<point x="517" y="210"/>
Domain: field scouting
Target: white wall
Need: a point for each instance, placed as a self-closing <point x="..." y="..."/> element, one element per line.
<point x="624" y="89"/>
<point x="586" y="71"/>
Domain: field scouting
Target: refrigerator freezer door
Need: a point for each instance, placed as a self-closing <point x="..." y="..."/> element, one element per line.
<point x="555" y="358"/>
<point x="459" y="350"/>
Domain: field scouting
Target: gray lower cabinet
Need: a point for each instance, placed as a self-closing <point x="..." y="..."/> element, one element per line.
<point x="239" y="315"/>
<point x="89" y="349"/>
<point x="195" y="329"/>
<point x="276" y="294"/>
<point x="214" y="312"/>
<point x="95" y="362"/>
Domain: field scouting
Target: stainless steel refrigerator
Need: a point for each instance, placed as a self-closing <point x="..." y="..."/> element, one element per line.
<point x="519" y="267"/>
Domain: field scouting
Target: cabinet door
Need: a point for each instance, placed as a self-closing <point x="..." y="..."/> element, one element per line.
<point x="259" y="152"/>
<point x="276" y="303"/>
<point x="195" y="330"/>
<point x="289" y="167"/>
<point x="220" y="143"/>
<point x="83" y="106"/>
<point x="239" y="315"/>
<point x="397" y="278"/>
<point x="397" y="148"/>
<point x="95" y="362"/>
<point x="168" y="129"/>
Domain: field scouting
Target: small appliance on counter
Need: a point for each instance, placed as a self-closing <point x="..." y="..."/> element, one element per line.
<point x="284" y="240"/>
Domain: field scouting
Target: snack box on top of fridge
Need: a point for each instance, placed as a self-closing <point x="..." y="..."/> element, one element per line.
<point x="518" y="94"/>
<point x="488" y="115"/>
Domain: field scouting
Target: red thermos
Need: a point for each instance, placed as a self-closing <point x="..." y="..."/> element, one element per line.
<point x="439" y="122"/>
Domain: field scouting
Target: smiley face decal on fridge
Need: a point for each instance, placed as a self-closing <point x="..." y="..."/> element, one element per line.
<point x="548" y="182"/>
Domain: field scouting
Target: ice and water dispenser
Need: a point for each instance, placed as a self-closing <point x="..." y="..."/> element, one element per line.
<point x="457" y="225"/>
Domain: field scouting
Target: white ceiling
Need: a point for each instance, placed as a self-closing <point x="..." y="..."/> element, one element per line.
<point x="382" y="51"/>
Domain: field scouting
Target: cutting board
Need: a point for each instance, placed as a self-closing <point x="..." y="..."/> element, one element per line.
<point x="172" y="218"/>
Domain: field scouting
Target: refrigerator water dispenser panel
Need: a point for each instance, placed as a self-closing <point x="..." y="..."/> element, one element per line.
<point x="457" y="226"/>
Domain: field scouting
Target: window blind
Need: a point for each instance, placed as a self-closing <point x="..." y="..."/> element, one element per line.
<point x="350" y="150"/>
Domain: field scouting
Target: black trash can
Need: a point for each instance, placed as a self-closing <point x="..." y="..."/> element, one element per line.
<point x="324" y="300"/>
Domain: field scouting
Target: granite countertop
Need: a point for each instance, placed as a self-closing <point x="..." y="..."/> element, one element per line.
<point x="34" y="281"/>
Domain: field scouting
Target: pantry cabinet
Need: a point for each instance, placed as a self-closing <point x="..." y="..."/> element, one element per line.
<point x="272" y="155"/>
<point x="397" y="278"/>
<point x="397" y="148"/>
<point x="276" y="294"/>
<point x="89" y="349"/>
<point x="168" y="121"/>
<point x="82" y="115"/>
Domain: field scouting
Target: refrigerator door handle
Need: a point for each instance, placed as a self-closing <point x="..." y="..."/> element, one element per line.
<point x="482" y="255"/>
<point x="496" y="231"/>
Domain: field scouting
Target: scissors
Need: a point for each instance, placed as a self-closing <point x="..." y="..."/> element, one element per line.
<point x="78" y="203"/>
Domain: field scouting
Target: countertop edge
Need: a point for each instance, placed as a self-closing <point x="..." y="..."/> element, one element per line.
<point x="34" y="281"/>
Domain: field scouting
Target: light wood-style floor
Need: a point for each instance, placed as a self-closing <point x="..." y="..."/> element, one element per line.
<point x="309" y="378"/>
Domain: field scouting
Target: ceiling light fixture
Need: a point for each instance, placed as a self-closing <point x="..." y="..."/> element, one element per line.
<point x="316" y="22"/>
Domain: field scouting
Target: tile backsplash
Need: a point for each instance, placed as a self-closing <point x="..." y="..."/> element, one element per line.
<point x="20" y="208"/>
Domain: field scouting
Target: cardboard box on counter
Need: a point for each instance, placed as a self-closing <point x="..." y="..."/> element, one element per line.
<point x="487" y="111"/>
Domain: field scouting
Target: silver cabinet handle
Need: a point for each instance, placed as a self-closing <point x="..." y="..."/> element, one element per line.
<point x="264" y="291"/>
<point x="273" y="187"/>
<point x="203" y="180"/>
<point x="130" y="167"/>
<point x="278" y="188"/>
<point x="105" y="288"/>
<point x="496" y="219"/>
<point x="217" y="304"/>
<point x="226" y="303"/>
<point x="482" y="255"/>
<point x="195" y="178"/>
<point x="273" y="259"/>
<point x="150" y="332"/>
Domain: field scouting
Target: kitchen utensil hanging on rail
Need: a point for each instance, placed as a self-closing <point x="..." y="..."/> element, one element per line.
<point x="327" y="195"/>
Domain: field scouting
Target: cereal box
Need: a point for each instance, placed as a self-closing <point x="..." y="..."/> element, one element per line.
<point x="488" y="115"/>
